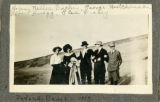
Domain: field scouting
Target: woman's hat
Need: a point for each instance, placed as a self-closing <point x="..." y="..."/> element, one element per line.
<point x="99" y="43"/>
<point x="66" y="47"/>
<point x="112" y="44"/>
<point x="55" y="48"/>
<point x="84" y="43"/>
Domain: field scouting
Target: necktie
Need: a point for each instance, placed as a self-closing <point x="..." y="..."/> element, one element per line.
<point x="99" y="50"/>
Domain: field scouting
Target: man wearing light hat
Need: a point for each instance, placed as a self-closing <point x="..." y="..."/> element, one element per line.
<point x="100" y="55"/>
<point x="115" y="60"/>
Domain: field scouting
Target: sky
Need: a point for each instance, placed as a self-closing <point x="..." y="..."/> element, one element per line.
<point x="35" y="36"/>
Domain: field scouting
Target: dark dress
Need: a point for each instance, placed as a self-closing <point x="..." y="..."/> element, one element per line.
<point x="57" y="76"/>
<point x="66" y="61"/>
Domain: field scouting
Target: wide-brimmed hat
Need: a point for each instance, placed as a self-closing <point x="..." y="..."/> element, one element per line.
<point x="84" y="43"/>
<point x="66" y="47"/>
<point x="57" y="47"/>
<point x="99" y="43"/>
<point x="112" y="44"/>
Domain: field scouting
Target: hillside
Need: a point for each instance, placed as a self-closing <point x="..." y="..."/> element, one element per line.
<point x="40" y="61"/>
<point x="134" y="55"/>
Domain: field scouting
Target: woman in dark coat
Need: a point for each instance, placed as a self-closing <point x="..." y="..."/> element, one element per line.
<point x="66" y="60"/>
<point x="57" y="76"/>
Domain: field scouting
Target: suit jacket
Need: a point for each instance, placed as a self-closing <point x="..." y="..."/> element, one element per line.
<point x="115" y="60"/>
<point x="100" y="57"/>
<point x="85" y="61"/>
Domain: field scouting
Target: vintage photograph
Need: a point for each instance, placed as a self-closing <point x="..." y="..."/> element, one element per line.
<point x="109" y="47"/>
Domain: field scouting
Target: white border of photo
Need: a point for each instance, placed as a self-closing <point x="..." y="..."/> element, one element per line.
<point x="27" y="9"/>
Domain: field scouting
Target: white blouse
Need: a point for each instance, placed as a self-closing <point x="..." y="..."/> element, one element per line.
<point x="55" y="59"/>
<point x="84" y="51"/>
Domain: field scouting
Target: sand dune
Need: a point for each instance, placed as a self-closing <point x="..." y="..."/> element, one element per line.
<point x="133" y="69"/>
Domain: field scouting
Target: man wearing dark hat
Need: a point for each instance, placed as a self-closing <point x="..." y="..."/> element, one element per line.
<point x="101" y="55"/>
<point x="115" y="60"/>
<point x="85" y="62"/>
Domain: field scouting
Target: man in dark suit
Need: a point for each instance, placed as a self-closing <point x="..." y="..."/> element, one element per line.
<point x="115" y="60"/>
<point x="100" y="55"/>
<point x="85" y="62"/>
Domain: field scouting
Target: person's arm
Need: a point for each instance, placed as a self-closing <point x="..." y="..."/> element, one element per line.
<point x="119" y="58"/>
<point x="52" y="60"/>
<point x="64" y="60"/>
<point x="106" y="56"/>
<point x="78" y="56"/>
<point x="93" y="53"/>
<point x="74" y="55"/>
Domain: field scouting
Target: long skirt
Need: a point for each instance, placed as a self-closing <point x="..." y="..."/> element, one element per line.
<point x="57" y="76"/>
<point x="66" y="74"/>
<point x="99" y="73"/>
<point x="75" y="76"/>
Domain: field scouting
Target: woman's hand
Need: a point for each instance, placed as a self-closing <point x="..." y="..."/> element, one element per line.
<point x="70" y="64"/>
<point x="92" y="57"/>
<point x="73" y="59"/>
<point x="99" y="59"/>
<point x="65" y="65"/>
<point x="77" y="54"/>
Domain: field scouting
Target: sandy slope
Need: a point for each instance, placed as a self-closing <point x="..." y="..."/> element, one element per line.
<point x="132" y="71"/>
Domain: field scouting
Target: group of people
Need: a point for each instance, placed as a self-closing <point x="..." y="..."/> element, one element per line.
<point x="75" y="69"/>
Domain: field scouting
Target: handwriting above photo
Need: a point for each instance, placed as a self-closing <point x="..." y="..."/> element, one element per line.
<point x="81" y="48"/>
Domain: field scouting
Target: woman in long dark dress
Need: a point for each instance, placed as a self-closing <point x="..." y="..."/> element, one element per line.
<point x="57" y="76"/>
<point x="66" y="60"/>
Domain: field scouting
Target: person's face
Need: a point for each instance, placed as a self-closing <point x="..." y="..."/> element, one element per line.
<point x="97" y="46"/>
<point x="68" y="50"/>
<point x="112" y="48"/>
<point x="57" y="51"/>
<point x="84" y="47"/>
